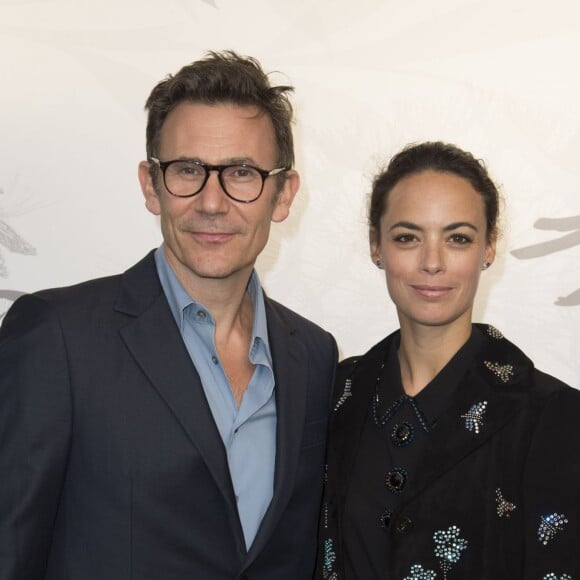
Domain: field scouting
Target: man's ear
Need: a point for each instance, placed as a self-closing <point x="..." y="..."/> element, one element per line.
<point x="148" y="189"/>
<point x="286" y="196"/>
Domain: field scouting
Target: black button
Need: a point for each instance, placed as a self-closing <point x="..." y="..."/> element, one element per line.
<point x="396" y="480"/>
<point x="402" y="434"/>
<point x="385" y="518"/>
<point x="403" y="525"/>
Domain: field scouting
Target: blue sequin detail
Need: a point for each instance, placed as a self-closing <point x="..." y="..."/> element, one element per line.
<point x="418" y="573"/>
<point x="551" y="526"/>
<point x="474" y="417"/>
<point x="390" y="412"/>
<point x="329" y="559"/>
<point x="448" y="547"/>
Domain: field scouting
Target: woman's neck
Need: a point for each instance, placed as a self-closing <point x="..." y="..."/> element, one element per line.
<point x="425" y="350"/>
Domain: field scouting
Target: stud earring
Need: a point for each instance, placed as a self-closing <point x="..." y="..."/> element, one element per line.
<point x="379" y="264"/>
<point x="486" y="265"/>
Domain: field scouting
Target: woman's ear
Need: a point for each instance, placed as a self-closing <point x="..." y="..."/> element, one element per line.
<point x="490" y="247"/>
<point x="374" y="244"/>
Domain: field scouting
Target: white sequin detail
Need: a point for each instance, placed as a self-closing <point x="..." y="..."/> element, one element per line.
<point x="503" y="372"/>
<point x="345" y="395"/>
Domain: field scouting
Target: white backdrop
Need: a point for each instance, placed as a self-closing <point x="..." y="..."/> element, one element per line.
<point x="500" y="78"/>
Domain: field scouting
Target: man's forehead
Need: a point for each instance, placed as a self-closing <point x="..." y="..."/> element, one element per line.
<point x="225" y="109"/>
<point x="218" y="133"/>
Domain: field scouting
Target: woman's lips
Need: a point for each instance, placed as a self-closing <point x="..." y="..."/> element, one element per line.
<point x="431" y="291"/>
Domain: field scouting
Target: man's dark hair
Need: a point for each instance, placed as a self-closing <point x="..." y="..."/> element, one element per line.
<point x="222" y="77"/>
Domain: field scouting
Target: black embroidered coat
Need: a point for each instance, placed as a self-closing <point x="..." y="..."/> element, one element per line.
<point x="496" y="493"/>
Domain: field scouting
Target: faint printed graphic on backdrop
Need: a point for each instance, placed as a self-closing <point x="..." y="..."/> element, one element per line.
<point x="565" y="242"/>
<point x="9" y="240"/>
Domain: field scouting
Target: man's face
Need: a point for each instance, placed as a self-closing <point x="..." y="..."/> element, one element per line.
<point x="209" y="235"/>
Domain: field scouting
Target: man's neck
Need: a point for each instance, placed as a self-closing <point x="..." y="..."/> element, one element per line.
<point x="226" y="298"/>
<point x="232" y="310"/>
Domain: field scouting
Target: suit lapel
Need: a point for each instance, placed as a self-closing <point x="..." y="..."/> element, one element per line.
<point x="154" y="341"/>
<point x="290" y="370"/>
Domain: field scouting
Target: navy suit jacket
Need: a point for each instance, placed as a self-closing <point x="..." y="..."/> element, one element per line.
<point x="112" y="466"/>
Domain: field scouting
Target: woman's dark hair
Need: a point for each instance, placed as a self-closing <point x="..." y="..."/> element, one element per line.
<point x="434" y="156"/>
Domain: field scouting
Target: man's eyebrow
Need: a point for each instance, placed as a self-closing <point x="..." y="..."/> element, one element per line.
<point x="241" y="161"/>
<point x="228" y="161"/>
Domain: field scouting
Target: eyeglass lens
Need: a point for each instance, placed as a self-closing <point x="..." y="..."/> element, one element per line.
<point x="185" y="178"/>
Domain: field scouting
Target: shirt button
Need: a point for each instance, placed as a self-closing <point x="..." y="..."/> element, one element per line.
<point x="214" y="360"/>
<point x="201" y="314"/>
<point x="403" y="524"/>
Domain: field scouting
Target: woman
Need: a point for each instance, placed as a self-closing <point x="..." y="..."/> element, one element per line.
<point x="450" y="455"/>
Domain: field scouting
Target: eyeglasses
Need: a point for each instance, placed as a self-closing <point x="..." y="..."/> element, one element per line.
<point x="241" y="182"/>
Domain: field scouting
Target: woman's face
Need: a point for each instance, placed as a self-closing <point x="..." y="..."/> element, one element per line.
<point x="433" y="244"/>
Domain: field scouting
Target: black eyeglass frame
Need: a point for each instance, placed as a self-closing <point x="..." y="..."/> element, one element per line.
<point x="208" y="167"/>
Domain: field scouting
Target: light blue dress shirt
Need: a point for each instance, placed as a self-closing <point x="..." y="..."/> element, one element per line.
<point x="248" y="432"/>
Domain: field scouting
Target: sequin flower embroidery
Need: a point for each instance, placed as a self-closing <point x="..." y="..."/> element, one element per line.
<point x="418" y="573"/>
<point x="504" y="507"/>
<point x="345" y="394"/>
<point x="552" y="576"/>
<point x="474" y="417"/>
<point x="448" y="548"/>
<point x="551" y="526"/>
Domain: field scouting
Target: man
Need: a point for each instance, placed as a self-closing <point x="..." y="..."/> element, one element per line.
<point x="170" y="423"/>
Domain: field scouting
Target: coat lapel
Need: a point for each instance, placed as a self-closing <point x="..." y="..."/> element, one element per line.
<point x="154" y="341"/>
<point x="290" y="370"/>
<point x="454" y="438"/>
